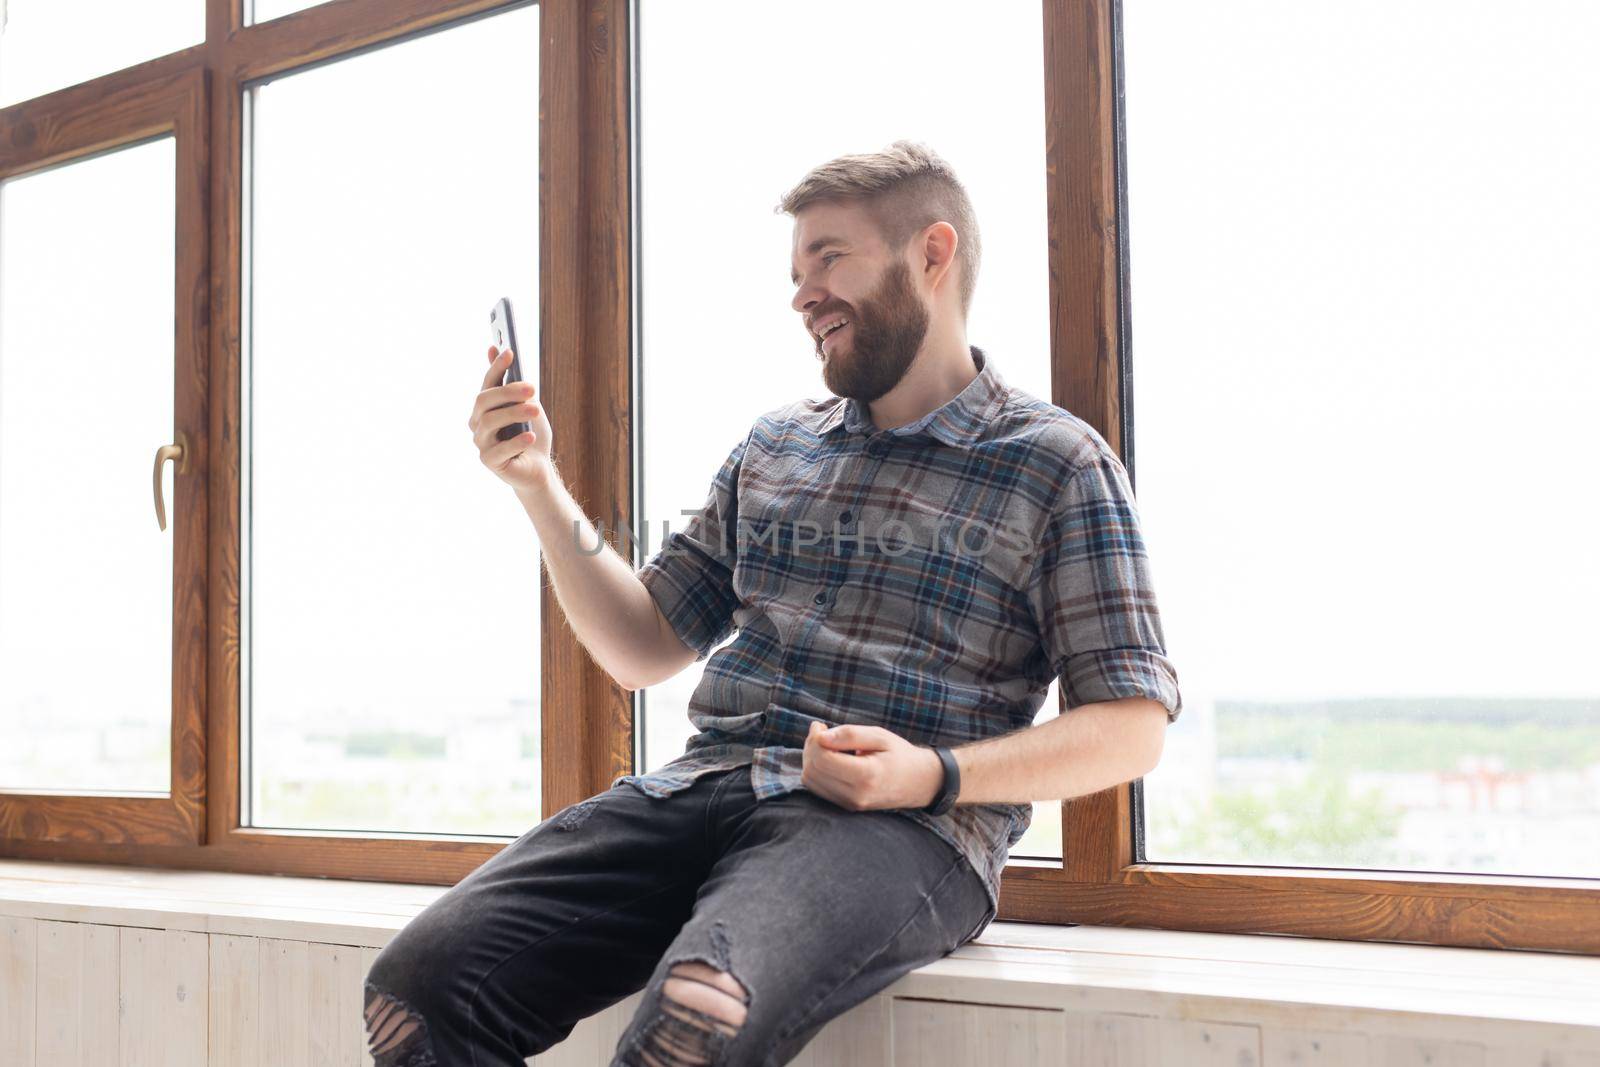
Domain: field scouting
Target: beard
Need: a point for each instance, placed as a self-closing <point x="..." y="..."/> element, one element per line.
<point x="887" y="330"/>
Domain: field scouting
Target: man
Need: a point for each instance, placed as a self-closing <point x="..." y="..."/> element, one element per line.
<point x="907" y="565"/>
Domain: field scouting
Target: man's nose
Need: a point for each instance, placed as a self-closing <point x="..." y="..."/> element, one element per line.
<point x="806" y="297"/>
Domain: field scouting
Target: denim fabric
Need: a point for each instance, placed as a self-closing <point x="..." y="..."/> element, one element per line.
<point x="811" y="907"/>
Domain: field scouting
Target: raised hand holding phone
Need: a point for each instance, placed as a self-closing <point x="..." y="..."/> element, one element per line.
<point x="508" y="423"/>
<point x="503" y="332"/>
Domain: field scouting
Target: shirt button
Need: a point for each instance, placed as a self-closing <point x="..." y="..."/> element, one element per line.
<point x="844" y="518"/>
<point x="820" y="598"/>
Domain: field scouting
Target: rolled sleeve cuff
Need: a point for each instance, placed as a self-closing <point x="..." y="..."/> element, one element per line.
<point x="1118" y="673"/>
<point x="693" y="604"/>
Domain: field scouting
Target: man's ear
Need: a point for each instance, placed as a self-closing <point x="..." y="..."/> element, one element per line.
<point x="937" y="253"/>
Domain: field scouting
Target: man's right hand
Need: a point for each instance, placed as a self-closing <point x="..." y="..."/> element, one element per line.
<point x="523" y="462"/>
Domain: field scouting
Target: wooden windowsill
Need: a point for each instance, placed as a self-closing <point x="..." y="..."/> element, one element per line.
<point x="1108" y="969"/>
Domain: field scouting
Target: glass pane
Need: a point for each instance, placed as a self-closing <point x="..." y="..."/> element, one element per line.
<point x="86" y="325"/>
<point x="1365" y="363"/>
<point x="266" y="10"/>
<point x="47" y="45"/>
<point x="393" y="631"/>
<point x="758" y="353"/>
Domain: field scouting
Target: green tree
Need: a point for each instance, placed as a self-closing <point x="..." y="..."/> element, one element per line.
<point x="1318" y="821"/>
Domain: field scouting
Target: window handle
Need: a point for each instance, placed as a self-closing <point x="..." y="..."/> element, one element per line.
<point x="179" y="453"/>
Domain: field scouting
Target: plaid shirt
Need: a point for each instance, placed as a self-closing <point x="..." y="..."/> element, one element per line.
<point x="930" y="579"/>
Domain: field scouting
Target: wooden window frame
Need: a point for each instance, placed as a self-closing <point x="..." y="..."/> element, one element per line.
<point x="584" y="378"/>
<point x="78" y="124"/>
<point x="1104" y="879"/>
<point x="586" y="721"/>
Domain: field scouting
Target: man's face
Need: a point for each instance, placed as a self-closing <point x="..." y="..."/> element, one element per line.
<point x="855" y="278"/>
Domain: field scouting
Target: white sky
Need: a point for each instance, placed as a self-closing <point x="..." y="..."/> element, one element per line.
<point x="1364" y="257"/>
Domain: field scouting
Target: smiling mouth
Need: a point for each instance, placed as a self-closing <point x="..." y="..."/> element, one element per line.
<point x="833" y="334"/>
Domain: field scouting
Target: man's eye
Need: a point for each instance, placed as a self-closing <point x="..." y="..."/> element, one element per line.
<point x="825" y="256"/>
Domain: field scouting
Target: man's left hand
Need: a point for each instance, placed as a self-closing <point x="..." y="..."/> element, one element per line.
<point x="867" y="767"/>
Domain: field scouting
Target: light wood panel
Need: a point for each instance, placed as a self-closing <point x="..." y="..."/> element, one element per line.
<point x="282" y="1002"/>
<point x="861" y="1037"/>
<point x="929" y="1033"/>
<point x="1534" y="1056"/>
<point x="19" y="987"/>
<point x="187" y="998"/>
<point x="235" y="1000"/>
<point x="1312" y="1048"/>
<point x="1412" y="1052"/>
<point x="79" y="971"/>
<point x="1203" y="1043"/>
<point x="162" y="989"/>
<point x="335" y="1035"/>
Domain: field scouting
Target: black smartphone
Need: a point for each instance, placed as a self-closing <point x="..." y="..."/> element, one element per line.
<point x="503" y="331"/>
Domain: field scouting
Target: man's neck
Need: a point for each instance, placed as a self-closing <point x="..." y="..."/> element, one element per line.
<point x="940" y="371"/>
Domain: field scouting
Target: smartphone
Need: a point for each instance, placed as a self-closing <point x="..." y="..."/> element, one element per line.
<point x="503" y="331"/>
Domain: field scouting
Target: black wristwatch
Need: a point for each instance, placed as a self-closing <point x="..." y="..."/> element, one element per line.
<point x="946" y="797"/>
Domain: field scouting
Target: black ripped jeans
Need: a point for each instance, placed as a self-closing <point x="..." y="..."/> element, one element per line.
<point x="810" y="907"/>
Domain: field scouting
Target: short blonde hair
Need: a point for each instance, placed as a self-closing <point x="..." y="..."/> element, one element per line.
<point x="905" y="188"/>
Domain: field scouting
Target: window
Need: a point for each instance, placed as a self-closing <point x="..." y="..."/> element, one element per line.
<point x="44" y="45"/>
<point x="86" y="283"/>
<point x="1368" y="362"/>
<point x="86" y="365"/>
<point x="1317" y="232"/>
<point x="391" y="583"/>
<point x="338" y="583"/>
<point x="716" y="314"/>
<point x="1270" y="334"/>
<point x="265" y="10"/>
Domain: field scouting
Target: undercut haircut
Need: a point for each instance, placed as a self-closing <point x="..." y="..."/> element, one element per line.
<point x="904" y="189"/>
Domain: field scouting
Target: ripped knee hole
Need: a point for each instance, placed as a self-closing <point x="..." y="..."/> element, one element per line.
<point x="702" y="1008"/>
<point x="706" y="989"/>
<point x="391" y="1024"/>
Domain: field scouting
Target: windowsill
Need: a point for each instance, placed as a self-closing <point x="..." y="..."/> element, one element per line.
<point x="1095" y="967"/>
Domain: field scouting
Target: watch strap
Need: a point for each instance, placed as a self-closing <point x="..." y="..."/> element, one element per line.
<point x="946" y="797"/>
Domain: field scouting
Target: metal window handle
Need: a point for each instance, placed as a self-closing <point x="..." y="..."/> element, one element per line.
<point x="179" y="453"/>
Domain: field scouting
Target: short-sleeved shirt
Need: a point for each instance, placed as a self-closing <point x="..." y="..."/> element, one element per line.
<point x="931" y="579"/>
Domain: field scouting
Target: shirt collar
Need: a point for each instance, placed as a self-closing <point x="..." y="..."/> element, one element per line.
<point x="959" y="421"/>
